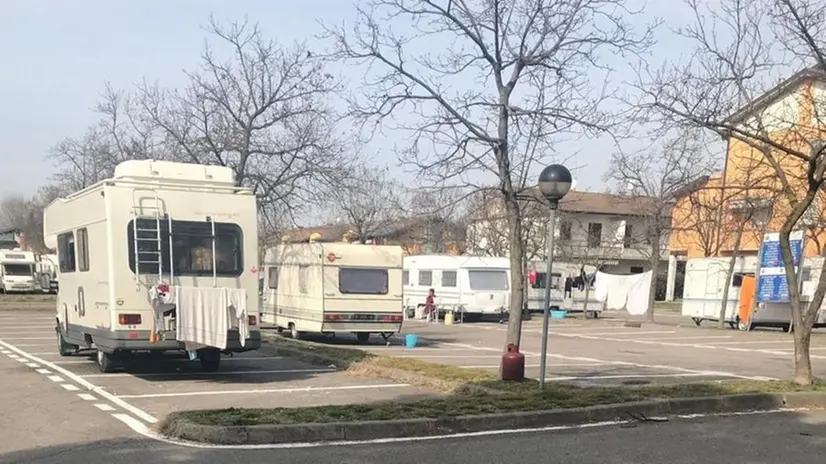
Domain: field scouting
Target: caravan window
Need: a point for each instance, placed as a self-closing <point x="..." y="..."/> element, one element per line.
<point x="540" y="280"/>
<point x="362" y="281"/>
<point x="191" y="248"/>
<point x="425" y="278"/>
<point x="303" y="277"/>
<point x="66" y="252"/>
<point x="488" y="280"/>
<point x="82" y="250"/>
<point x="448" y="278"/>
<point x="272" y="278"/>
<point x="405" y="277"/>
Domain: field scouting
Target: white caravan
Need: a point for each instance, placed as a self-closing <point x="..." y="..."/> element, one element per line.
<point x="705" y="279"/>
<point x="17" y="269"/>
<point x="334" y="288"/>
<point x="155" y="225"/>
<point x="474" y="286"/>
<point x="575" y="300"/>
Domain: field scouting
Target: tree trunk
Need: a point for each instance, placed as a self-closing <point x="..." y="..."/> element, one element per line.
<point x="802" y="334"/>
<point x="721" y="322"/>
<point x="802" y="361"/>
<point x="517" y="278"/>
<point x="655" y="266"/>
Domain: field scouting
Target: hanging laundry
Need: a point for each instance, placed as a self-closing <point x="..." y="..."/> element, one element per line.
<point x="568" y="286"/>
<point x="202" y="317"/>
<point x="237" y="299"/>
<point x="639" y="286"/>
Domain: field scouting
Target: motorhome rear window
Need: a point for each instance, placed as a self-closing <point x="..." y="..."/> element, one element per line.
<point x="488" y="280"/>
<point x="18" y="269"/>
<point x="191" y="248"/>
<point x="362" y="281"/>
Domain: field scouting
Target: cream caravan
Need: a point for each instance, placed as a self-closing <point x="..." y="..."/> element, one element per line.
<point x="472" y="285"/>
<point x="334" y="288"/>
<point x="580" y="296"/>
<point x="158" y="243"/>
<point x="17" y="270"/>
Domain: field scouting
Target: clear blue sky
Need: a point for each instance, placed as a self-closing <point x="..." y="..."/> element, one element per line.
<point x="58" y="54"/>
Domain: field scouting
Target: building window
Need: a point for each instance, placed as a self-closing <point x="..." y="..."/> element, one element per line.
<point x="82" y="250"/>
<point x="448" y="278"/>
<point x="272" y="278"/>
<point x="627" y="239"/>
<point x="594" y="234"/>
<point x="66" y="252"/>
<point x="303" y="277"/>
<point x="425" y="278"/>
<point x="565" y="231"/>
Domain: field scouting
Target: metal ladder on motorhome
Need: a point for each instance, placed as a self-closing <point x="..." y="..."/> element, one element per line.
<point x="147" y="229"/>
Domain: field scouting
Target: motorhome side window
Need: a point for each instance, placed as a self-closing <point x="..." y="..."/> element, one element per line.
<point x="362" y="281"/>
<point x="488" y="280"/>
<point x="66" y="252"/>
<point x="425" y="278"/>
<point x="82" y="250"/>
<point x="272" y="278"/>
<point x="191" y="248"/>
<point x="405" y="277"/>
<point x="448" y="278"/>
<point x="303" y="277"/>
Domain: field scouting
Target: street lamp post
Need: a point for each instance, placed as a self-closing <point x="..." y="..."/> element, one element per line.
<point x="554" y="182"/>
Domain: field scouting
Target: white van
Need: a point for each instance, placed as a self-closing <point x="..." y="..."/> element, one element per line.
<point x="471" y="285"/>
<point x="580" y="297"/>
<point x="334" y="288"/>
<point x="17" y="272"/>
<point x="155" y="225"/>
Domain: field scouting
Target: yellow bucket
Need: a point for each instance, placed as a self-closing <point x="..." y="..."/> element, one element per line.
<point x="449" y="318"/>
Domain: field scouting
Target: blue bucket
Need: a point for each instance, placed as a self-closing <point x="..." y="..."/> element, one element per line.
<point x="411" y="340"/>
<point x="559" y="313"/>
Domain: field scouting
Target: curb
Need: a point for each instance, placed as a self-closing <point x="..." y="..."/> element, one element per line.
<point x="176" y="427"/>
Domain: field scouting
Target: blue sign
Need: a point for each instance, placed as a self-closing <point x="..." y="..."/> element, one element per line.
<point x="772" y="286"/>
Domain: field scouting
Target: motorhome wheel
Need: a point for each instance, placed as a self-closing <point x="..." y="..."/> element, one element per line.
<point x="106" y="361"/>
<point x="363" y="336"/>
<point x="210" y="359"/>
<point x="64" y="348"/>
<point x="294" y="333"/>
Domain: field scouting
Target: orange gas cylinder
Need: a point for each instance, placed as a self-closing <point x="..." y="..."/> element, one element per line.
<point x="513" y="364"/>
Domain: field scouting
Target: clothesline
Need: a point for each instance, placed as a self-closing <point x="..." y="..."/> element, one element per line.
<point x="629" y="292"/>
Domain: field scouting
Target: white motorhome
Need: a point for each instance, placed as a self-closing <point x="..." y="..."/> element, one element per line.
<point x="575" y="299"/>
<point x="705" y="280"/>
<point x="471" y="285"/>
<point x="333" y="288"/>
<point x="155" y="225"/>
<point x="17" y="272"/>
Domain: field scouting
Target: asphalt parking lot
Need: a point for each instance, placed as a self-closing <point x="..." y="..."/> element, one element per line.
<point x="605" y="352"/>
<point x="151" y="388"/>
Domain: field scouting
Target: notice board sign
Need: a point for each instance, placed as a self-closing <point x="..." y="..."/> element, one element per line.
<point x="772" y="286"/>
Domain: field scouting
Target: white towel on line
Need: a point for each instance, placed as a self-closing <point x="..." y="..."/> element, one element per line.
<point x="639" y="292"/>
<point x="202" y="317"/>
<point x="237" y="299"/>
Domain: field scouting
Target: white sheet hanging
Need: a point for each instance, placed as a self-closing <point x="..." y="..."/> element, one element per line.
<point x="237" y="299"/>
<point x="639" y="286"/>
<point x="202" y="317"/>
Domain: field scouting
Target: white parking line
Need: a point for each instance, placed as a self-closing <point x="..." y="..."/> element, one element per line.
<point x="28" y="338"/>
<point x="640" y="376"/>
<point x="30" y="345"/>
<point x="69" y="387"/>
<point x="658" y="332"/>
<point x="104" y="407"/>
<point x="496" y="366"/>
<point x="32" y="365"/>
<point x="42" y="327"/>
<point x="201" y="373"/>
<point x="43" y="371"/>
<point x="260" y="391"/>
<point x="753" y="342"/>
<point x="56" y="378"/>
<point x="86" y="396"/>
<point x="703" y="337"/>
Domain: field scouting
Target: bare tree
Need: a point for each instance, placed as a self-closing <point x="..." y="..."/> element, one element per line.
<point x="264" y="110"/>
<point x="728" y="87"/>
<point x="663" y="173"/>
<point x="369" y="200"/>
<point x="530" y="65"/>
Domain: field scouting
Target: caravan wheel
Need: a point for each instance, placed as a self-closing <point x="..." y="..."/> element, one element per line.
<point x="63" y="348"/>
<point x="294" y="333"/>
<point x="106" y="362"/>
<point x="210" y="359"/>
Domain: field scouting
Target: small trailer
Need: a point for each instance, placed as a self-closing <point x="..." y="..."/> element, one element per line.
<point x="130" y="247"/>
<point x="17" y="272"/>
<point x="471" y="286"/>
<point x="580" y="296"/>
<point x="329" y="288"/>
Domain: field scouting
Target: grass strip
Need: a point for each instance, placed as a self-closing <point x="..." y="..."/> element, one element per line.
<point x="555" y="396"/>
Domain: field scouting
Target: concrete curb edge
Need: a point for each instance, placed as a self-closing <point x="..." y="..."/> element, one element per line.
<point x="177" y="427"/>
